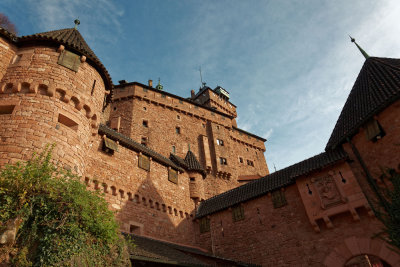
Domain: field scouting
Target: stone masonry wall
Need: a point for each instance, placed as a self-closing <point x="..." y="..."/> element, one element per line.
<point x="42" y="102"/>
<point x="7" y="52"/>
<point x="144" y="199"/>
<point x="284" y="236"/>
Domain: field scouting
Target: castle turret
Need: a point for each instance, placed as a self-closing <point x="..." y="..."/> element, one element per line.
<point x="52" y="91"/>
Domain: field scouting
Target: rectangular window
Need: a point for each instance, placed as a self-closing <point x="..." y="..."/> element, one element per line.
<point x="109" y="146"/>
<point x="173" y="176"/>
<point x="223" y="161"/>
<point x="67" y="122"/>
<point x="134" y="229"/>
<point x="240" y="160"/>
<point x="278" y="199"/>
<point x="220" y="142"/>
<point x="6" y="109"/>
<point x="373" y="130"/>
<point x="204" y="225"/>
<point x="144" y="141"/>
<point x="173" y="149"/>
<point x="237" y="213"/>
<point x="178" y="130"/>
<point x="69" y="60"/>
<point x="144" y="162"/>
<point x="145" y="123"/>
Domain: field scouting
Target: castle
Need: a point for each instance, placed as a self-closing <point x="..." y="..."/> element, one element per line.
<point x="184" y="180"/>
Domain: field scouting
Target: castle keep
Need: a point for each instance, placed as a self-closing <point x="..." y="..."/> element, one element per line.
<point x="183" y="178"/>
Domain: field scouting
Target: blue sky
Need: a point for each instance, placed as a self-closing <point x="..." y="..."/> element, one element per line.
<point x="288" y="65"/>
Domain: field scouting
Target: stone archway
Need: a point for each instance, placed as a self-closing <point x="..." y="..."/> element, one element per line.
<point x="355" y="246"/>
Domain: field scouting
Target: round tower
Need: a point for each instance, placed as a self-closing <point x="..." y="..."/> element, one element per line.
<point x="52" y="91"/>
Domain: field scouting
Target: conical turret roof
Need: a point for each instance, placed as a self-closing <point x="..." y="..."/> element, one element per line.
<point x="73" y="40"/>
<point x="376" y="87"/>
<point x="192" y="163"/>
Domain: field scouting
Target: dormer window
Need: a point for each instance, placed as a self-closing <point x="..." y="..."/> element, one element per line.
<point x="373" y="130"/>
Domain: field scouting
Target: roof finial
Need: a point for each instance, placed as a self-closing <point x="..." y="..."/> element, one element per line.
<point x="189" y="147"/>
<point x="359" y="48"/>
<point x="159" y="86"/>
<point x="77" y="22"/>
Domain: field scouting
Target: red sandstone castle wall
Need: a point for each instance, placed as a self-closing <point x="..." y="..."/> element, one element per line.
<point x="285" y="237"/>
<point x="7" y="52"/>
<point x="147" y="199"/>
<point x="200" y="128"/>
<point x="41" y="90"/>
<point x="385" y="152"/>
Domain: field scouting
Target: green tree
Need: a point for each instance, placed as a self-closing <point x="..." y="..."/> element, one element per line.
<point x="57" y="221"/>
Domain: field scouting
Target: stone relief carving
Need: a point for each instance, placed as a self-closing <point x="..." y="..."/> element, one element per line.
<point x="327" y="191"/>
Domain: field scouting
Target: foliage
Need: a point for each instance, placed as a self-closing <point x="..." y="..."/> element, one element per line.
<point x="62" y="223"/>
<point x="387" y="207"/>
<point x="7" y="24"/>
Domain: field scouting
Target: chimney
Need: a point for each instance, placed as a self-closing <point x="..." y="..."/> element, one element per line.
<point x="151" y="83"/>
<point x="192" y="93"/>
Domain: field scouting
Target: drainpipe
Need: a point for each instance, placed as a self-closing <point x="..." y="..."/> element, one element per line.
<point x="370" y="179"/>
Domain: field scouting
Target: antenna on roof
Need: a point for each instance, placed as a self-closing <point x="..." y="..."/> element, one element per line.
<point x="77" y="22"/>
<point x="189" y="147"/>
<point x="274" y="167"/>
<point x="201" y="77"/>
<point x="359" y="48"/>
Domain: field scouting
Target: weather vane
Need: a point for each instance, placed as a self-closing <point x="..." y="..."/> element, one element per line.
<point x="77" y="22"/>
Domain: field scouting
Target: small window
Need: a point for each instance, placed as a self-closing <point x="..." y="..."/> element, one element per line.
<point x="374" y="131"/>
<point x="204" y="125"/>
<point x="144" y="108"/>
<point x="6" y="109"/>
<point x="278" y="199"/>
<point x="134" y="229"/>
<point x="204" y="225"/>
<point x="67" y="122"/>
<point x="180" y="102"/>
<point x="173" y="176"/>
<point x="93" y="86"/>
<point x="237" y="213"/>
<point x="145" y="123"/>
<point x="178" y="117"/>
<point x="144" y="141"/>
<point x="178" y="130"/>
<point x="69" y="60"/>
<point x="163" y="96"/>
<point x="220" y="142"/>
<point x="145" y="89"/>
<point x="223" y="161"/>
<point x="144" y="162"/>
<point x="240" y="159"/>
<point x="16" y="59"/>
<point x="173" y="149"/>
<point x="109" y="146"/>
<point x="192" y="179"/>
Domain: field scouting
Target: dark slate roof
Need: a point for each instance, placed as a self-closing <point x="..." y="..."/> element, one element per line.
<point x="73" y="40"/>
<point x="178" y="161"/>
<point x="268" y="183"/>
<point x="193" y="164"/>
<point x="376" y="87"/>
<point x="152" y="250"/>
<point x="129" y="143"/>
<point x="9" y="35"/>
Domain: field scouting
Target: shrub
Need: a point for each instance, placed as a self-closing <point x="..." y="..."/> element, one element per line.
<point x="60" y="222"/>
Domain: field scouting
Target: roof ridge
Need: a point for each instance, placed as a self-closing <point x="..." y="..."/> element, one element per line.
<point x="269" y="182"/>
<point x="146" y="150"/>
